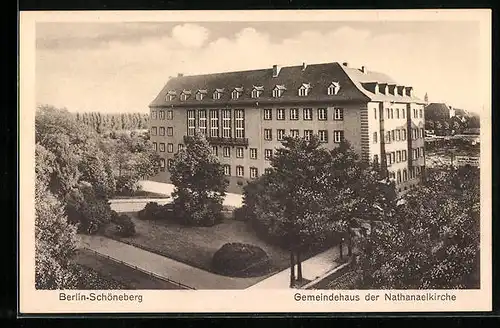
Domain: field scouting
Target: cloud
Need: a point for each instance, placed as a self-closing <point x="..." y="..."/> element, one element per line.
<point x="126" y="76"/>
<point x="190" y="35"/>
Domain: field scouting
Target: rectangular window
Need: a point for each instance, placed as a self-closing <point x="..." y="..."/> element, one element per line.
<point x="294" y="113"/>
<point x="322" y="114"/>
<point x="420" y="113"/>
<point x="422" y="133"/>
<point x="302" y="92"/>
<point x="398" y="156"/>
<point x="162" y="114"/>
<point x="240" y="171"/>
<point x="388" y="137"/>
<point x="392" y="113"/>
<point x="323" y="135"/>
<point x="403" y="112"/>
<point x="280" y="114"/>
<point x="191" y="117"/>
<point x="268" y="134"/>
<point x="155" y="146"/>
<point x="403" y="155"/>
<point x="397" y="112"/>
<point x="338" y="114"/>
<point x="268" y="114"/>
<point x="403" y="134"/>
<point x="170" y="162"/>
<point x="239" y="152"/>
<point x="253" y="153"/>
<point x="162" y="164"/>
<point x="214" y="151"/>
<point x="154" y="131"/>
<point x="239" y="115"/>
<point x="268" y="154"/>
<point x="294" y="133"/>
<point x="307" y="114"/>
<point x="280" y="134"/>
<point x="162" y="131"/>
<point x="375" y="158"/>
<point x="375" y="137"/>
<point x="338" y="136"/>
<point x="170" y="131"/>
<point x="393" y="137"/>
<point x="170" y="115"/>
<point x="170" y="148"/>
<point x="162" y="147"/>
<point x="388" y="158"/>
<point x="254" y="173"/>
<point x="153" y="115"/>
<point x="393" y="157"/>
<point x="388" y="112"/>
<point x="202" y="121"/>
<point x="375" y="113"/>
<point x="180" y="147"/>
<point x="308" y="134"/>
<point x="398" y="135"/>
<point x="214" y="123"/>
<point x="226" y="123"/>
<point x="227" y="169"/>
<point x="422" y="151"/>
<point x="226" y="151"/>
<point x="256" y="93"/>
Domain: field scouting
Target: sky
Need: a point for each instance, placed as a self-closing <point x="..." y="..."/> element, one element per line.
<point x="121" y="67"/>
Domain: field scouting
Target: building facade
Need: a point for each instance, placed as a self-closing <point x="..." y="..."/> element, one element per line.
<point x="246" y="114"/>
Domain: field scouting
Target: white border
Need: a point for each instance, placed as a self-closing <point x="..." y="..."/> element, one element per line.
<point x="33" y="301"/>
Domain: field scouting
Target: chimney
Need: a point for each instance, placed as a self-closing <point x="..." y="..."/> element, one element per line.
<point x="180" y="75"/>
<point x="304" y="65"/>
<point x="364" y="69"/>
<point x="345" y="64"/>
<point x="276" y="70"/>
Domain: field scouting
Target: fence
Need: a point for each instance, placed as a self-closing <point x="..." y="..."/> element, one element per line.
<point x="141" y="270"/>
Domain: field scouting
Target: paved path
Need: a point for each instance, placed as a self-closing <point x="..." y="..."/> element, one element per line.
<point x="312" y="268"/>
<point x="235" y="200"/>
<point x="163" y="266"/>
<point x="135" y="204"/>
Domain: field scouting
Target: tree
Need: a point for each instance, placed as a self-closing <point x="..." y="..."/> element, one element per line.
<point x="438" y="125"/>
<point x="54" y="237"/>
<point x="429" y="124"/>
<point x="310" y="195"/>
<point x="200" y="183"/>
<point x="431" y="241"/>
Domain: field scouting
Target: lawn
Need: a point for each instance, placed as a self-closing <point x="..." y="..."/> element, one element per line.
<point x="114" y="275"/>
<point x="196" y="245"/>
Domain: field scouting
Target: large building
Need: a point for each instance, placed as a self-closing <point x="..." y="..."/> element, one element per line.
<point x="245" y="114"/>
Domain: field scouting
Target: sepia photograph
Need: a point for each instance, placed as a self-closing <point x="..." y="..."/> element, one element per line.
<point x="320" y="158"/>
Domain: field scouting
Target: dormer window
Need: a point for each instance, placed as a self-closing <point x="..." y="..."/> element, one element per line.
<point x="257" y="91"/>
<point x="200" y="94"/>
<point x="235" y="94"/>
<point x="185" y="95"/>
<point x="217" y="94"/>
<point x="278" y="91"/>
<point x="304" y="89"/>
<point x="170" y="96"/>
<point x="333" y="88"/>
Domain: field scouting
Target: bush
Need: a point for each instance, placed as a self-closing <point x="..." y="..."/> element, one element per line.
<point x="87" y="210"/>
<point x="154" y="211"/>
<point x="125" y="226"/>
<point x="199" y="212"/>
<point x="126" y="185"/>
<point x="241" y="260"/>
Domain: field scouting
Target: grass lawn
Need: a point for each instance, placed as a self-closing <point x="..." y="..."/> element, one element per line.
<point x="117" y="275"/>
<point x="196" y="245"/>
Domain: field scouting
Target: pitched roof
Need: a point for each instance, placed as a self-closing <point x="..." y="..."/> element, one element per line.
<point x="319" y="76"/>
<point x="435" y="111"/>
